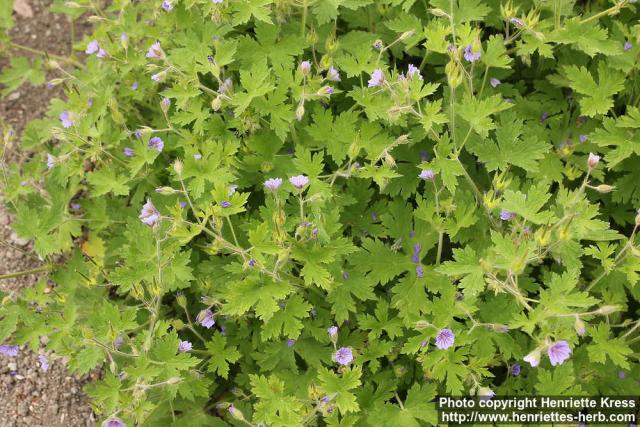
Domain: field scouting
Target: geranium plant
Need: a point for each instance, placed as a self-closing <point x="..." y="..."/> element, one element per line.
<point x="318" y="212"/>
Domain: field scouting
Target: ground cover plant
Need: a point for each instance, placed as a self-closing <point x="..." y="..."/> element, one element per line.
<point x="312" y="212"/>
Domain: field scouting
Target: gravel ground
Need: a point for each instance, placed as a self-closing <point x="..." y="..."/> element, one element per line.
<point x="28" y="396"/>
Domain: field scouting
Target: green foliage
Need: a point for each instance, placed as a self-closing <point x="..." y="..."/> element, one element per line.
<point x="448" y="187"/>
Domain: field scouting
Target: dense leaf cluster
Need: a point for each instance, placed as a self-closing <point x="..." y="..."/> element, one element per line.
<point x="432" y="194"/>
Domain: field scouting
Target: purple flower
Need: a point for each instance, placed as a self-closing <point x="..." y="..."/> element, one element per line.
<point x="593" y="160"/>
<point x="445" y="339"/>
<point x="621" y="375"/>
<point x="416" y="253"/>
<point x="167" y="5"/>
<point x="333" y="332"/>
<point x="166" y="102"/>
<point x="117" y="343"/>
<point x="183" y="204"/>
<point x="159" y="77"/>
<point x="225" y="204"/>
<point x="377" y="78"/>
<point x="252" y="262"/>
<point x="470" y="55"/>
<point x="343" y="356"/>
<point x="149" y="214"/>
<point x="273" y="184"/>
<point x="217" y="1"/>
<point x="627" y="46"/>
<point x="113" y="422"/>
<point x="92" y="47"/>
<point x="333" y="75"/>
<point x="515" y="370"/>
<point x="44" y="363"/>
<point x="156" y="143"/>
<point x="544" y="116"/>
<point x="419" y="271"/>
<point x="378" y="44"/>
<point x="155" y="51"/>
<point x="65" y="119"/>
<point x="427" y="175"/>
<point x="299" y="181"/>
<point x="506" y="215"/>
<point x="305" y="67"/>
<point x="184" y="346"/>
<point x="197" y="156"/>
<point x="205" y="317"/>
<point x="225" y="86"/>
<point x="583" y="138"/>
<point x="494" y="82"/>
<point x="89" y="102"/>
<point x="558" y="352"/>
<point x="533" y="358"/>
<point x="9" y="350"/>
<point x="291" y="343"/>
<point x="413" y="71"/>
<point x="124" y="38"/>
<point x="75" y="206"/>
<point x="23" y="183"/>
<point x="138" y="133"/>
<point x="517" y="22"/>
<point x="51" y="161"/>
<point x="101" y="53"/>
<point x="128" y="152"/>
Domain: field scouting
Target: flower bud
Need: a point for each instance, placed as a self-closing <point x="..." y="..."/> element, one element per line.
<point x="422" y="324"/>
<point x="454" y="74"/>
<point x="593" y="160"/>
<point x="300" y="112"/>
<point x="325" y="91"/>
<point x="604" y="188"/>
<point x="177" y="167"/>
<point x="236" y="413"/>
<point x="580" y="326"/>
<point x="331" y="44"/>
<point x="325" y="62"/>
<point x="499" y="327"/>
<point x="181" y="300"/>
<point x="407" y="34"/>
<point x="438" y="12"/>
<point x="638" y="218"/>
<point x="607" y="309"/>
<point x="174" y="380"/>
<point x="312" y="37"/>
<point x="166" y="191"/>
<point x="216" y="103"/>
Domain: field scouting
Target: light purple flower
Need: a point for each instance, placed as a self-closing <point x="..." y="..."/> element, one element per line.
<point x="544" y="116"/>
<point x="225" y="86"/>
<point x="44" y="363"/>
<point x="273" y="183"/>
<point x="305" y="67"/>
<point x="470" y="55"/>
<point x="155" y="51"/>
<point x="134" y="86"/>
<point x="149" y="214"/>
<point x="419" y="271"/>
<point x="299" y="181"/>
<point x="445" y="339"/>
<point x="378" y="44"/>
<point x="427" y="175"/>
<point x="416" y="253"/>
<point x="167" y="5"/>
<point x="558" y="352"/>
<point x="495" y="82"/>
<point x="9" y="350"/>
<point x="593" y="160"/>
<point x="159" y="77"/>
<point x="205" y="317"/>
<point x="124" y="38"/>
<point x="75" y="206"/>
<point x="621" y="375"/>
<point x="65" y="119"/>
<point x="252" y="262"/>
<point x="343" y="356"/>
<point x="377" y="78"/>
<point x="533" y="358"/>
<point x="225" y="204"/>
<point x="517" y="22"/>
<point x="583" y="138"/>
<point x="232" y="189"/>
<point x="101" y="54"/>
<point x="184" y="346"/>
<point x="128" y="152"/>
<point x="197" y="156"/>
<point x="92" y="47"/>
<point x="166" y="102"/>
<point x="333" y="332"/>
<point x="117" y="343"/>
<point x="506" y="215"/>
<point x="89" y="102"/>
<point x="627" y="46"/>
<point x="515" y="370"/>
<point x="113" y="422"/>
<point x="23" y="183"/>
<point x="333" y="75"/>
<point x="413" y="71"/>
<point x="291" y="343"/>
<point x="157" y="143"/>
<point x="217" y="1"/>
<point x="138" y="133"/>
<point x="51" y="161"/>
<point x="183" y="204"/>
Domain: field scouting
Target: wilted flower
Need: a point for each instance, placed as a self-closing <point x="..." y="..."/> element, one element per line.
<point x="65" y="119"/>
<point x="299" y="181"/>
<point x="495" y="82"/>
<point x="470" y="55"/>
<point x="155" y="51"/>
<point x="305" y="67"/>
<point x="333" y="75"/>
<point x="506" y="215"/>
<point x="167" y="5"/>
<point x="113" y="422"/>
<point x="44" y="363"/>
<point x="149" y="214"/>
<point x="445" y="339"/>
<point x="593" y="160"/>
<point x="157" y="143"/>
<point x="377" y="78"/>
<point x="343" y="355"/>
<point x="427" y="175"/>
<point x="205" y="317"/>
<point x="92" y="47"/>
<point x="515" y="370"/>
<point x="9" y="350"/>
<point x="413" y="71"/>
<point x="533" y="358"/>
<point x="558" y="352"/>
<point x="273" y="183"/>
<point x="184" y="346"/>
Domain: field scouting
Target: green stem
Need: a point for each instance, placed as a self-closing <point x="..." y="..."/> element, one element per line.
<point x="51" y="55"/>
<point x="303" y="25"/>
<point x="26" y="272"/>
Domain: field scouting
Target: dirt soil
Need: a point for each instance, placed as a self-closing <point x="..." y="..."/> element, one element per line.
<point x="29" y="396"/>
